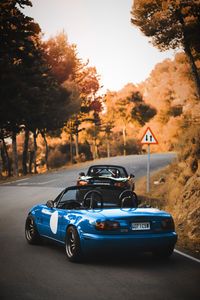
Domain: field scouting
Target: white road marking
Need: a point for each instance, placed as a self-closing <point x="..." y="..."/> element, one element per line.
<point x="186" y="255"/>
<point x="16" y="181"/>
<point x="22" y="179"/>
<point x="47" y="181"/>
<point x="28" y="183"/>
<point x="35" y="183"/>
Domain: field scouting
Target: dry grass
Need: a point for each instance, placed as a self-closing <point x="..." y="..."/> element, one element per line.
<point x="170" y="190"/>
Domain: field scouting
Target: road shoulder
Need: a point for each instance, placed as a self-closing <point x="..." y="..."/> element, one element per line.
<point x="179" y="200"/>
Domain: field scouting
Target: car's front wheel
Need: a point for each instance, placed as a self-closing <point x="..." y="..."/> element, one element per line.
<point x="72" y="245"/>
<point x="31" y="232"/>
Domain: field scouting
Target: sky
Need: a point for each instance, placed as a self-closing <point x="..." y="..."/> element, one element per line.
<point x="103" y="33"/>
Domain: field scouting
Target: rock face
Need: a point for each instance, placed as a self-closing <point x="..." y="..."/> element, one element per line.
<point x="186" y="213"/>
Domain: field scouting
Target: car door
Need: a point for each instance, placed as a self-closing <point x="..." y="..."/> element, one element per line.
<point x="50" y="222"/>
<point x="64" y="213"/>
<point x="53" y="220"/>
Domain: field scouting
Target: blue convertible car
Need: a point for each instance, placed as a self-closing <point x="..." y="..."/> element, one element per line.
<point x="90" y="219"/>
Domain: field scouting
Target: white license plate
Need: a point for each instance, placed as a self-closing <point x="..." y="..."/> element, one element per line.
<point x="140" y="226"/>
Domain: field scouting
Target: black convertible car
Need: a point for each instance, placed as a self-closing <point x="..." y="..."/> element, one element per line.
<point x="107" y="175"/>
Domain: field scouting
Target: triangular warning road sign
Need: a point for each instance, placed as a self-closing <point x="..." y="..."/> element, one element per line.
<point x="148" y="137"/>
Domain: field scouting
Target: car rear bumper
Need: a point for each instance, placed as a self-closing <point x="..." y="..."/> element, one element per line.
<point x="94" y="242"/>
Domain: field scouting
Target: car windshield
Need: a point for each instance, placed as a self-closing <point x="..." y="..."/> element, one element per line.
<point x="107" y="171"/>
<point x="103" y="197"/>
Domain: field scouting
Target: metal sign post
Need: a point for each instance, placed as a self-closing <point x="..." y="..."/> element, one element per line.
<point x="148" y="167"/>
<point x="148" y="138"/>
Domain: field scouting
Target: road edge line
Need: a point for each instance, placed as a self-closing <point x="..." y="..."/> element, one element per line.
<point x="187" y="255"/>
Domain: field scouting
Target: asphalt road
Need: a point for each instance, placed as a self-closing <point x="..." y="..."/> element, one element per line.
<point x="43" y="272"/>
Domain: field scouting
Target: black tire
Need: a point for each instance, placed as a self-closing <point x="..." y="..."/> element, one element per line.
<point x="163" y="253"/>
<point x="72" y="245"/>
<point x="31" y="232"/>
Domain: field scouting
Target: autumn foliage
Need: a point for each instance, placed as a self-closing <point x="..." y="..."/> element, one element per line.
<point x="52" y="108"/>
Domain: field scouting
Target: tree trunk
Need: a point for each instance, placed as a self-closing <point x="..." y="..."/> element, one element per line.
<point x="46" y="150"/>
<point x="95" y="148"/>
<point x="71" y="149"/>
<point x="186" y="45"/>
<point x="25" y="152"/>
<point x="31" y="155"/>
<point x="35" y="152"/>
<point x="108" y="145"/>
<point x="14" y="154"/>
<point x="76" y="144"/>
<point x="98" y="152"/>
<point x="193" y="67"/>
<point x="1" y="160"/>
<point x="95" y="143"/>
<point x="7" y="158"/>
<point x="124" y="139"/>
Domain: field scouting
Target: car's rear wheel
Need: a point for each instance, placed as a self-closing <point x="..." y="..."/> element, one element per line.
<point x="31" y="232"/>
<point x="72" y="245"/>
<point x="163" y="252"/>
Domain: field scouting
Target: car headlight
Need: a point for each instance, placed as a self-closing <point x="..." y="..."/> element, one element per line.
<point x="168" y="224"/>
<point x="107" y="225"/>
<point x="81" y="182"/>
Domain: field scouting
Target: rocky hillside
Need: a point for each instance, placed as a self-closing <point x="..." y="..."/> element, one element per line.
<point x="180" y="197"/>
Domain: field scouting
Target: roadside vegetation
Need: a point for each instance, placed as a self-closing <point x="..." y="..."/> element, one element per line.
<point x="52" y="110"/>
<point x="168" y="192"/>
<point x="174" y="89"/>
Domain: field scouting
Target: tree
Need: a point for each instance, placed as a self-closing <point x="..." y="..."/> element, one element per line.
<point x="87" y="80"/>
<point x="25" y="151"/>
<point x="70" y="71"/>
<point x="133" y="110"/>
<point x="127" y="107"/>
<point x="87" y="83"/>
<point x="48" y="106"/>
<point x="106" y="127"/>
<point x="61" y="57"/>
<point x="141" y="112"/>
<point x="171" y="24"/>
<point x="18" y="44"/>
<point x="170" y="88"/>
<point x="33" y="99"/>
<point x="1" y="160"/>
<point x="73" y="123"/>
<point x="123" y="109"/>
<point x="4" y="152"/>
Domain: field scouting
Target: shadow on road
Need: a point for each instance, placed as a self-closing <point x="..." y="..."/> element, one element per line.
<point x="123" y="260"/>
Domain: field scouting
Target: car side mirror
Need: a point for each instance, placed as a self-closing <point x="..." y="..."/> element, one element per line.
<point x="82" y="174"/>
<point x="132" y="175"/>
<point x="50" y="204"/>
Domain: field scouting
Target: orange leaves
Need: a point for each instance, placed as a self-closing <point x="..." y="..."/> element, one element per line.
<point x="191" y="20"/>
<point x="88" y="81"/>
<point x="96" y="105"/>
<point x="165" y="21"/>
<point x="60" y="56"/>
